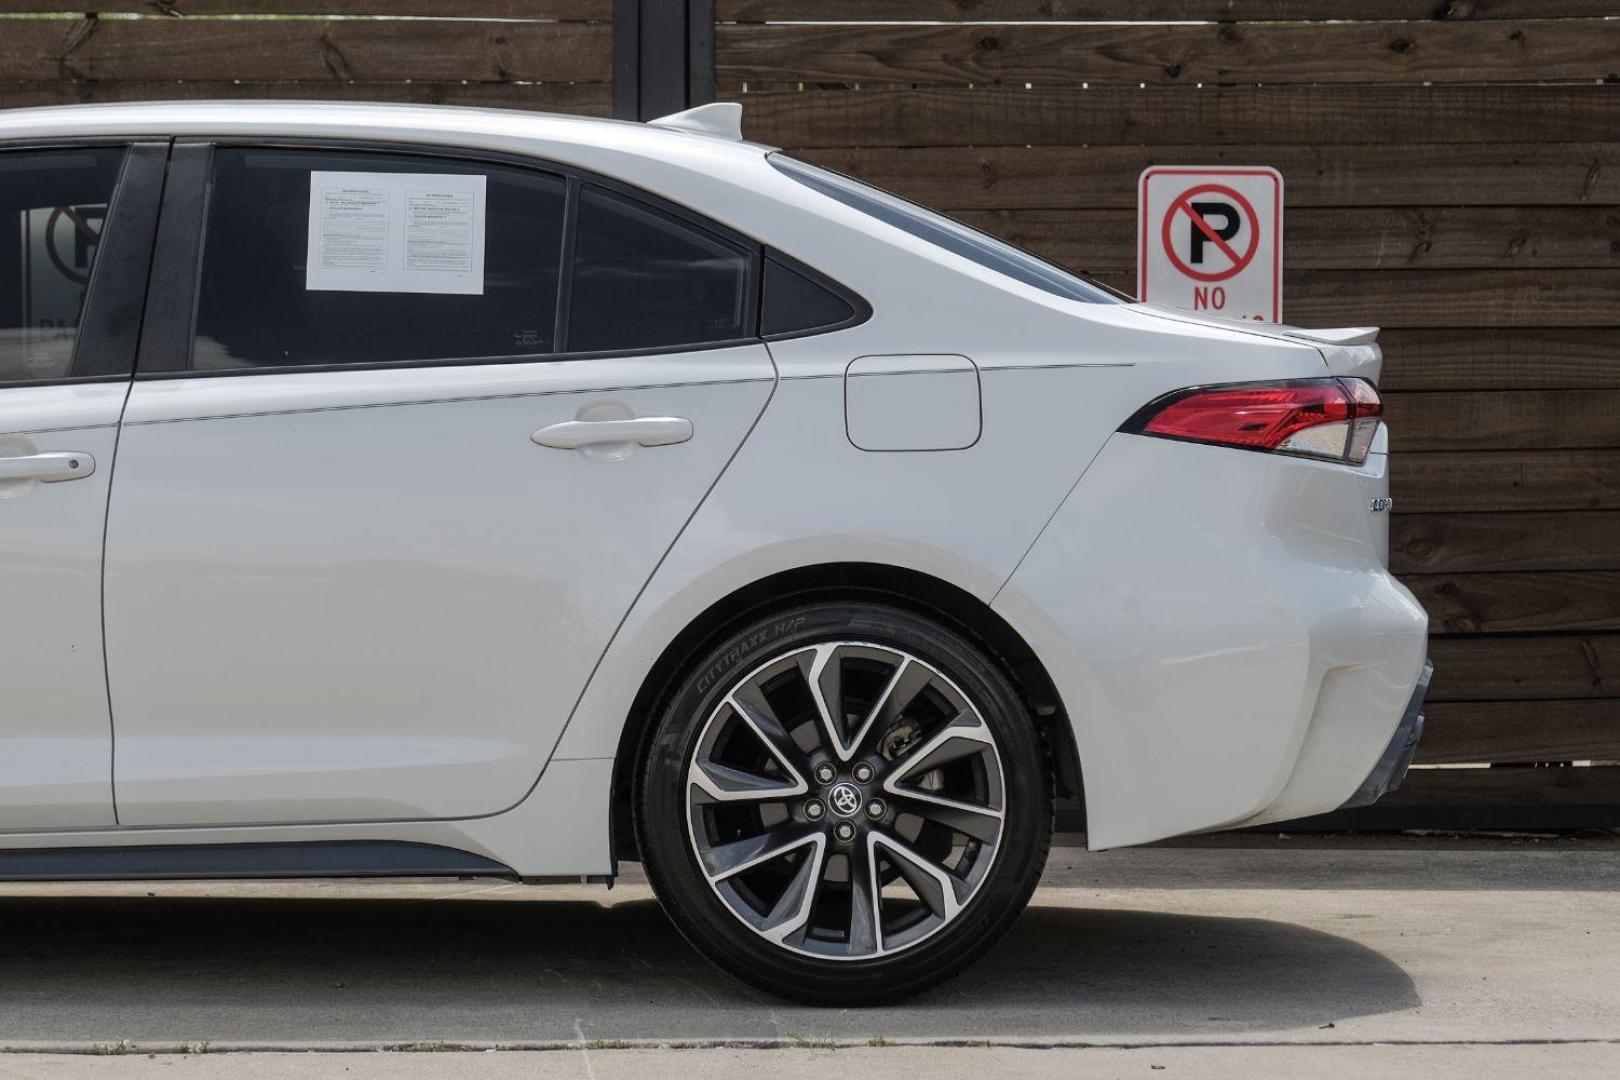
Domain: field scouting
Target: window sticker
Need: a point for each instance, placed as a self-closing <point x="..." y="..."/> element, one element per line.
<point x="395" y="232"/>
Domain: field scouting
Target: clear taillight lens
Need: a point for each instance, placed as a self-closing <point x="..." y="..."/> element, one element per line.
<point x="1329" y="419"/>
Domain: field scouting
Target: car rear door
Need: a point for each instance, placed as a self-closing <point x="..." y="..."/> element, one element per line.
<point x="76" y="225"/>
<point x="389" y="483"/>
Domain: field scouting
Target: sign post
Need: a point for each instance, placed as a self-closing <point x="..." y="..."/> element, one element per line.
<point x="1210" y="240"/>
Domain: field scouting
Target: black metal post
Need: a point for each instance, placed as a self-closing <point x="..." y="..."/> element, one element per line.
<point x="663" y="56"/>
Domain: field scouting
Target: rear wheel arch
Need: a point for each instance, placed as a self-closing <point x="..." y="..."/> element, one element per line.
<point x="912" y="590"/>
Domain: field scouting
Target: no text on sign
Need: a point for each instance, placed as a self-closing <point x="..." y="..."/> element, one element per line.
<point x="1210" y="239"/>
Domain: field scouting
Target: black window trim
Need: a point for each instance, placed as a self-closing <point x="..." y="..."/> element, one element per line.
<point x="169" y="322"/>
<point x="173" y="285"/>
<point x="860" y="310"/>
<point x="116" y="212"/>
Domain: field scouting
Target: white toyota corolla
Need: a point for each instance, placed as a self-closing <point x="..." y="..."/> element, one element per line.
<point x="397" y="490"/>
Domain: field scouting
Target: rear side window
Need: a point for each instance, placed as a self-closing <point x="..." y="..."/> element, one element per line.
<point x="260" y="305"/>
<point x="52" y="207"/>
<point x="953" y="236"/>
<point x="796" y="302"/>
<point x="646" y="279"/>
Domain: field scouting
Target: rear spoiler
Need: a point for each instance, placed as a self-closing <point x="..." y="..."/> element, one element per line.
<point x="1339" y="335"/>
<point x="1348" y="351"/>
<point x="1351" y="351"/>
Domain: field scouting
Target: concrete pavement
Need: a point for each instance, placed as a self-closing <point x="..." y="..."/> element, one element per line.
<point x="1296" y="1062"/>
<point x="1276" y="958"/>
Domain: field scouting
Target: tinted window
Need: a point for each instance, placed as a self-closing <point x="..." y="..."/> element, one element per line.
<point x="52" y="206"/>
<point x="941" y="231"/>
<point x="645" y="279"/>
<point x="795" y="303"/>
<point x="259" y="306"/>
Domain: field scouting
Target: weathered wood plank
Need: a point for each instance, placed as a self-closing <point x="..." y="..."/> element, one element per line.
<point x="1511" y="732"/>
<point x="1507" y="787"/>
<point x="1441" y="298"/>
<point x="1384" y="115"/>
<point x="1071" y="54"/>
<point x="1101" y="177"/>
<point x="1361" y="238"/>
<point x="1509" y="667"/>
<point x="1472" y="543"/>
<point x="1509" y="797"/>
<point x="1519" y="602"/>
<point x="1503" y="420"/>
<point x="1516" y="359"/>
<point x="1462" y="298"/>
<point x="1145" y="10"/>
<point x="1502" y="480"/>
<point x="572" y="10"/>
<point x="334" y="49"/>
<point x="585" y="98"/>
<point x="1520" y="731"/>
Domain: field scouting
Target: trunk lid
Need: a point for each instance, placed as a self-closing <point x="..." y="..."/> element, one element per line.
<point x="1349" y="351"/>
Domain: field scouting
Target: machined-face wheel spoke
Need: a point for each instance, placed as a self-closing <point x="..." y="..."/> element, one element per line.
<point x="982" y="823"/>
<point x="864" y="914"/>
<point x="909" y="680"/>
<point x="936" y="887"/>
<point x="845" y="800"/>
<point x="823" y="668"/>
<point x="965" y="736"/>
<point x="757" y="714"/>
<point x="792" y="909"/>
<point x="724" y="784"/>
<point x="725" y="860"/>
<point x="824" y="678"/>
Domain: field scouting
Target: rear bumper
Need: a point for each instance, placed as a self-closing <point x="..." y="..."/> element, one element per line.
<point x="1228" y="644"/>
<point x="1387" y="775"/>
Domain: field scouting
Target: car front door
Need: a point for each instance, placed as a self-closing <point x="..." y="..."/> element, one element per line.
<point x="385" y="494"/>
<point x="75" y="241"/>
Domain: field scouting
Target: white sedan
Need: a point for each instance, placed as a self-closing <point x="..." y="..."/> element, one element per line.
<point x="399" y="490"/>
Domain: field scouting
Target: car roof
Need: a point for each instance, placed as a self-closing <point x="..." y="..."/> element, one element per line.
<point x="442" y="125"/>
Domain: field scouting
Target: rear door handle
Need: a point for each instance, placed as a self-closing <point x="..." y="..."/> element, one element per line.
<point x="48" y="468"/>
<point x="640" y="430"/>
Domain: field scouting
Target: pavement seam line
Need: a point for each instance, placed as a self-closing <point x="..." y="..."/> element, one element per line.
<point x="584" y="1051"/>
<point x="580" y="1044"/>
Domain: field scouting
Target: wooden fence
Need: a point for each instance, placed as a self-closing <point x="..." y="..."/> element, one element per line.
<point x="1452" y="171"/>
<point x="1453" y="175"/>
<point x="552" y="55"/>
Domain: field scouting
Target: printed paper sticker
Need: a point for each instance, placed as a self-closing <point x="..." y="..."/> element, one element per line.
<point x="395" y="232"/>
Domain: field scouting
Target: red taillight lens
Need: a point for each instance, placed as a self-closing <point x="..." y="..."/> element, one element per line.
<point x="1332" y="419"/>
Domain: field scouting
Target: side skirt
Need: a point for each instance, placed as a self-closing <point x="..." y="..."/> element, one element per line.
<point x="305" y="859"/>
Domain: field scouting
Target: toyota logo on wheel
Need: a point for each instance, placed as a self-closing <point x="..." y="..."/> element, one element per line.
<point x="845" y="799"/>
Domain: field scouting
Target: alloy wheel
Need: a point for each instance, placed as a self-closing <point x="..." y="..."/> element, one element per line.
<point x="845" y="800"/>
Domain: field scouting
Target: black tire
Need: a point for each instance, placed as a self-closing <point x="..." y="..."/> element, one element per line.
<point x="963" y="931"/>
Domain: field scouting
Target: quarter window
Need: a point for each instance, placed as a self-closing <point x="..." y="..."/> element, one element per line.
<point x="644" y="279"/>
<point x="52" y="207"/>
<point x="795" y="303"/>
<point x="399" y="272"/>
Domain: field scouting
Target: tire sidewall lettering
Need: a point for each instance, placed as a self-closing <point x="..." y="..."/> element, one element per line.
<point x="743" y="649"/>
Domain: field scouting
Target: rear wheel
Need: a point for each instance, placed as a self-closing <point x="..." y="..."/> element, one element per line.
<point x="844" y="802"/>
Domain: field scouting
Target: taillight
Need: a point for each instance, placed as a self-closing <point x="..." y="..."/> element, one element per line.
<point x="1330" y="419"/>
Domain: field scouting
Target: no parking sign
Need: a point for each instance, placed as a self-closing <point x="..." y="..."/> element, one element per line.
<point x="1210" y="240"/>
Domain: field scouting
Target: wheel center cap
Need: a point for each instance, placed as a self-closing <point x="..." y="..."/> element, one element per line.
<point x="845" y="799"/>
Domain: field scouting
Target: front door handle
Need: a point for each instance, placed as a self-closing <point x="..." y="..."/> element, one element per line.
<point x="48" y="468"/>
<point x="640" y="430"/>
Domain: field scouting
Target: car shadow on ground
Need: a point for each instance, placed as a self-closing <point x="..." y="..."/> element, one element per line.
<point x="311" y="969"/>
